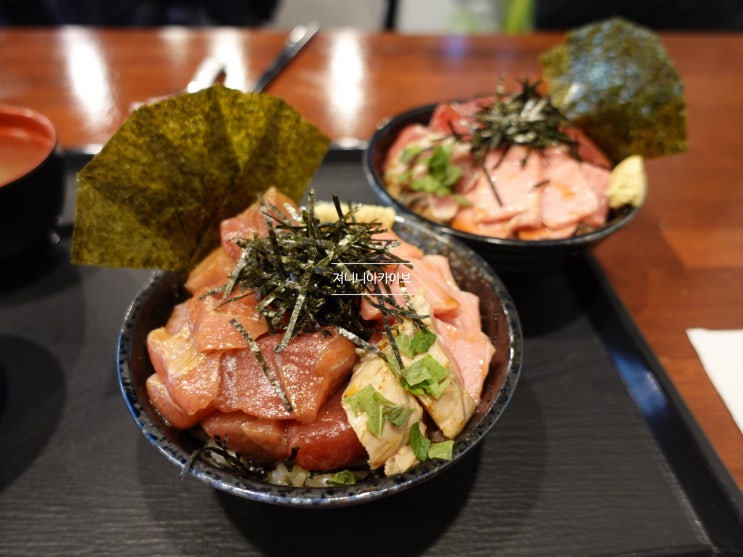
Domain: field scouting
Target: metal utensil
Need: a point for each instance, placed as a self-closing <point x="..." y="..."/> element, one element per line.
<point x="296" y="41"/>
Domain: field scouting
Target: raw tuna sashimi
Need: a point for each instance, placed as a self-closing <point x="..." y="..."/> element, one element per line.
<point x="457" y="116"/>
<point x="191" y="377"/>
<point x="257" y="439"/>
<point x="327" y="443"/>
<point x="254" y="221"/>
<point x="510" y="190"/>
<point x="220" y="365"/>
<point x="308" y="370"/>
<point x="211" y="319"/>
<point x="168" y="408"/>
<point x="211" y="272"/>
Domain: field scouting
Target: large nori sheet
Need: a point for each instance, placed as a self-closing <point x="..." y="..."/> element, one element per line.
<point x="615" y="80"/>
<point x="155" y="194"/>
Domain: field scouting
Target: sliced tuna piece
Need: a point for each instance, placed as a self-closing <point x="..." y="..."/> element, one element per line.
<point x="424" y="275"/>
<point x="515" y="174"/>
<point x="192" y="378"/>
<point x="588" y="151"/>
<point x="454" y="406"/>
<point x="467" y="315"/>
<point x="244" y="386"/>
<point x="327" y="443"/>
<point x="438" y="208"/>
<point x="252" y="221"/>
<point x="211" y="321"/>
<point x="427" y="276"/>
<point x="309" y="370"/>
<point x="598" y="179"/>
<point x="254" y="438"/>
<point x="178" y="318"/>
<point x="467" y="221"/>
<point x="471" y="351"/>
<point x="404" y="459"/>
<point x="168" y="408"/>
<point x="402" y="249"/>
<point x="567" y="198"/>
<point x="457" y="117"/>
<point x="410" y="135"/>
<point x="545" y="233"/>
<point x="463" y="158"/>
<point x="212" y="272"/>
<point x="467" y="345"/>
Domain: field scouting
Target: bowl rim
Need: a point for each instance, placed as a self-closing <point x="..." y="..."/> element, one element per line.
<point x="375" y="486"/>
<point x="376" y="181"/>
<point x="35" y="125"/>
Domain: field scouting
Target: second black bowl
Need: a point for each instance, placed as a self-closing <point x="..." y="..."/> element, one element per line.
<point x="503" y="254"/>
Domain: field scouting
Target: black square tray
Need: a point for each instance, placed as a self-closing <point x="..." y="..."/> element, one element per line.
<point x="596" y="454"/>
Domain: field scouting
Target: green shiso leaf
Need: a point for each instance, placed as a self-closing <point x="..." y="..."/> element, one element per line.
<point x="614" y="80"/>
<point x="398" y="415"/>
<point x="155" y="194"/>
<point x="419" y="343"/>
<point x="425" y="377"/>
<point x="342" y="477"/>
<point x="442" y="450"/>
<point x="378" y="409"/>
<point x="424" y="449"/>
<point x="442" y="173"/>
<point x="418" y="442"/>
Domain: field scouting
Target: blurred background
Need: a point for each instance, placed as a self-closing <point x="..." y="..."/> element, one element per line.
<point x="404" y="16"/>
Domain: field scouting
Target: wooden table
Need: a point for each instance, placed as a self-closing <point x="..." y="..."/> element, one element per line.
<point x="678" y="265"/>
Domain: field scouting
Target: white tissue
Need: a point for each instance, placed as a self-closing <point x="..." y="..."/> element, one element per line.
<point x="721" y="354"/>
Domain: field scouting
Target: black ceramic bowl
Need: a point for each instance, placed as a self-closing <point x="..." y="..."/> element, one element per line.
<point x="31" y="180"/>
<point x="504" y="254"/>
<point x="153" y="305"/>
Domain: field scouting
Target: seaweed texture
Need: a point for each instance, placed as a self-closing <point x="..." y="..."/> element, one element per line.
<point x="155" y="194"/>
<point x="614" y="80"/>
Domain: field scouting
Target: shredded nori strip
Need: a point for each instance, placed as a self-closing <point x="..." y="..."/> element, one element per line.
<point x="227" y="458"/>
<point x="299" y="272"/>
<point x="526" y="118"/>
<point x="270" y="375"/>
